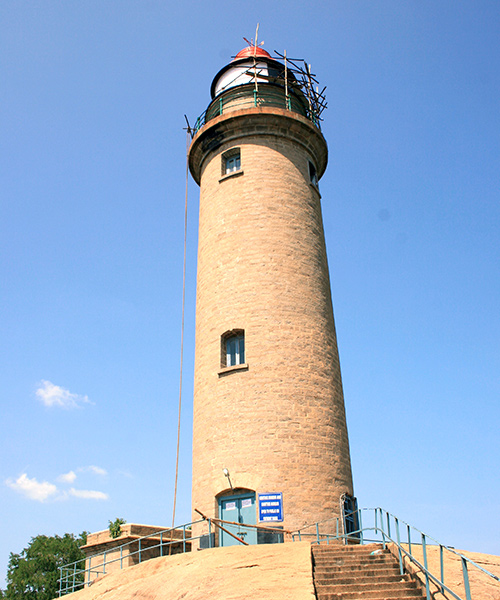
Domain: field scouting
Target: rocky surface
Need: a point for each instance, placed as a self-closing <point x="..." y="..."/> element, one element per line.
<point x="482" y="587"/>
<point x="266" y="572"/>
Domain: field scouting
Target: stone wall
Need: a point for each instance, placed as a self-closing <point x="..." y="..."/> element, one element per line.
<point x="278" y="424"/>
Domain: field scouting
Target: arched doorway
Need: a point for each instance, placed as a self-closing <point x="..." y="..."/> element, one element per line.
<point x="238" y="508"/>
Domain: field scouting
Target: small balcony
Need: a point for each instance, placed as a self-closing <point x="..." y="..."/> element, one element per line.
<point x="262" y="95"/>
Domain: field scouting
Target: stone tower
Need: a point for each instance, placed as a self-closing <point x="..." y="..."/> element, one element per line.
<point x="270" y="441"/>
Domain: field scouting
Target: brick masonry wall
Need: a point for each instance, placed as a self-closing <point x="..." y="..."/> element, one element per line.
<point x="262" y="267"/>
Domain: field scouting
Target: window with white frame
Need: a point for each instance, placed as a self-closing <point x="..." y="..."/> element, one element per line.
<point x="233" y="348"/>
<point x="231" y="161"/>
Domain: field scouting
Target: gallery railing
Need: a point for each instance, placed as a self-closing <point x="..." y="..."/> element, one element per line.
<point x="248" y="96"/>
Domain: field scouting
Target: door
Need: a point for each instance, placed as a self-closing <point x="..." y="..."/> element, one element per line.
<point x="238" y="509"/>
<point x="351" y="517"/>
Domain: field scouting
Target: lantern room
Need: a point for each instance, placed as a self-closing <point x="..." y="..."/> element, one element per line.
<point x="255" y="78"/>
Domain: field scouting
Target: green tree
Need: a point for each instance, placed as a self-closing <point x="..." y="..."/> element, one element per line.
<point x="115" y="527"/>
<point x="34" y="573"/>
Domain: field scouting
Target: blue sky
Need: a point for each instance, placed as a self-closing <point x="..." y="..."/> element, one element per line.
<point x="92" y="173"/>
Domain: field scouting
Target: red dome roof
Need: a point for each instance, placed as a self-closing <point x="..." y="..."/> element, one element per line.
<point x="252" y="51"/>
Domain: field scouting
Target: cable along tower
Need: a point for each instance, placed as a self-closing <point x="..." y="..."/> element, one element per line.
<point x="270" y="442"/>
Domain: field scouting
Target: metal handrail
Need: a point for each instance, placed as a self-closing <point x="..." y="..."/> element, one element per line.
<point x="72" y="577"/>
<point x="246" y="95"/>
<point x="465" y="561"/>
<point x="382" y="527"/>
<point x="300" y="533"/>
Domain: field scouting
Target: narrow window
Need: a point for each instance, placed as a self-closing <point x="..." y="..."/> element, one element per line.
<point x="231" y="161"/>
<point x="313" y="176"/>
<point x="233" y="348"/>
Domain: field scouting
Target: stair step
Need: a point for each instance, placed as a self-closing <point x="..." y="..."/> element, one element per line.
<point x="350" y="555"/>
<point x="350" y="548"/>
<point x="335" y="553"/>
<point x="368" y="572"/>
<point x="353" y="560"/>
<point x="361" y="573"/>
<point x="386" y="596"/>
<point x="373" y="579"/>
<point x="329" y="551"/>
<point x="363" y="586"/>
<point x="396" y="594"/>
<point x="350" y="563"/>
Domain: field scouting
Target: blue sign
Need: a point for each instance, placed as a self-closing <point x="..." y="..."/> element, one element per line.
<point x="271" y="507"/>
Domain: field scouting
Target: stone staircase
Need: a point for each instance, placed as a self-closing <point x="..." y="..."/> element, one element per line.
<point x="360" y="572"/>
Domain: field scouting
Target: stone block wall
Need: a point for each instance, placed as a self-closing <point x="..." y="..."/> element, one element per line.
<point x="278" y="424"/>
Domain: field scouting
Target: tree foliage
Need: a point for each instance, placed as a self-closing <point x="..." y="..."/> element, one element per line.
<point x="115" y="527"/>
<point x="34" y="573"/>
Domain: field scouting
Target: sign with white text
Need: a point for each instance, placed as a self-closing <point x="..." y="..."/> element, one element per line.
<point x="271" y="507"/>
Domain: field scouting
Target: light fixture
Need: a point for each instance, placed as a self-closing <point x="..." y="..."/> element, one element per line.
<point x="226" y="474"/>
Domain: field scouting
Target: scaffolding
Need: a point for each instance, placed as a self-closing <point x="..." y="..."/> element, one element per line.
<point x="289" y="84"/>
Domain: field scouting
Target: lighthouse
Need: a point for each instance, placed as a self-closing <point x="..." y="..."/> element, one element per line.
<point x="270" y="443"/>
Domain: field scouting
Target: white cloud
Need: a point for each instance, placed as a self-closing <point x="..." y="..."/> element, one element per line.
<point x="88" y="494"/>
<point x="67" y="477"/>
<point x="96" y="470"/>
<point x="71" y="475"/>
<point x="31" y="488"/>
<point x="54" y="395"/>
<point x="41" y="491"/>
<point x="125" y="474"/>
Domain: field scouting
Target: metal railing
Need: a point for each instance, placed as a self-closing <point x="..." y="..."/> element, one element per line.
<point x="247" y="96"/>
<point x="375" y="525"/>
<point x="383" y="527"/>
<point x="324" y="531"/>
<point x="84" y="572"/>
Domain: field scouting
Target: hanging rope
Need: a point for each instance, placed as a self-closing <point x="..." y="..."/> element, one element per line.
<point x="182" y="334"/>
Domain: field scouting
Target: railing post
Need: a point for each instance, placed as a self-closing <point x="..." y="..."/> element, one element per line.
<point x="60" y="581"/>
<point x="384" y="545"/>
<point x="210" y="533"/>
<point x="104" y="564"/>
<point x="442" y="566"/>
<point x="140" y="551"/>
<point x="74" y="578"/>
<point x="220" y="106"/>
<point x="184" y="539"/>
<point x="337" y="527"/>
<point x="398" y="538"/>
<point x="466" y="578"/>
<point x="89" y="571"/>
<point x="360" y="527"/>
<point x="424" y="551"/>
<point x="161" y="543"/>
<point x="121" y="557"/>
<point x="409" y="538"/>
<point x="388" y="524"/>
<point x="382" y="529"/>
<point x="317" y="533"/>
